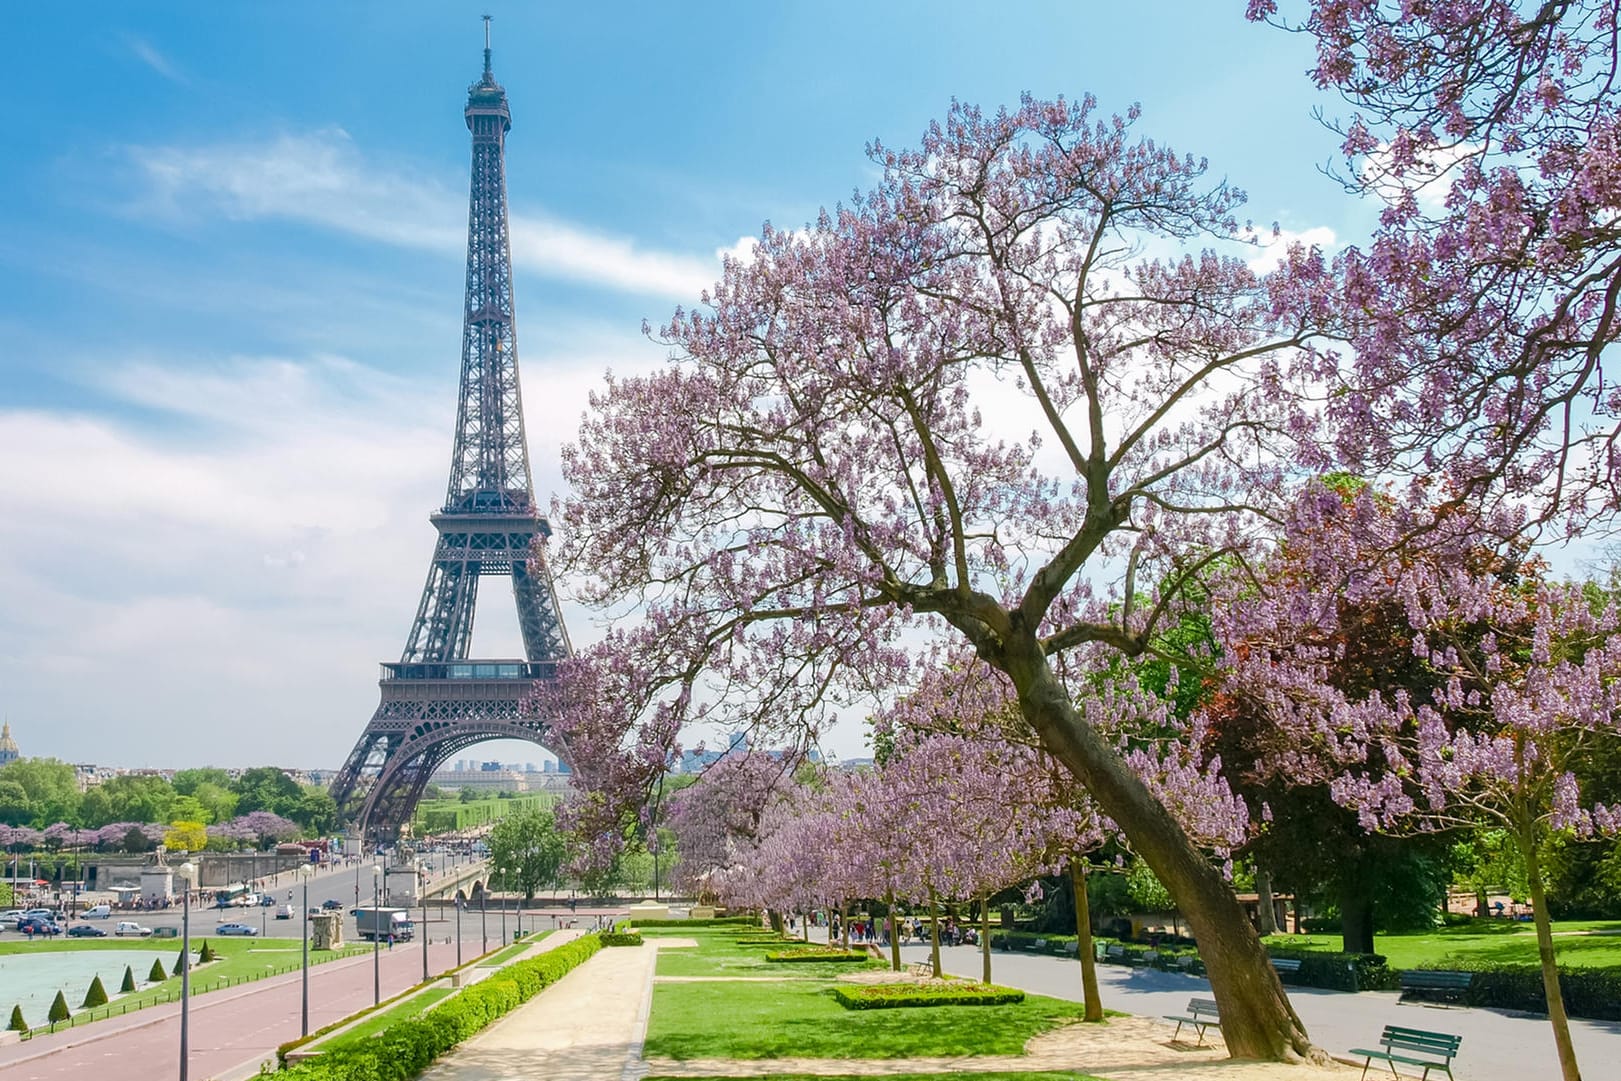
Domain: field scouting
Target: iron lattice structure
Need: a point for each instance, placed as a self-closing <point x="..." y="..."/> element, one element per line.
<point x="437" y="701"/>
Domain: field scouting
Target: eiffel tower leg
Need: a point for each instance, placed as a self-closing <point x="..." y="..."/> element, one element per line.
<point x="539" y="618"/>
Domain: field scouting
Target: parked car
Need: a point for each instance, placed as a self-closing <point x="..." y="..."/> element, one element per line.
<point x="235" y="929"/>
<point x="130" y="927"/>
<point x="331" y="904"/>
<point x="285" y="912"/>
<point x="86" y="930"/>
<point x="98" y="912"/>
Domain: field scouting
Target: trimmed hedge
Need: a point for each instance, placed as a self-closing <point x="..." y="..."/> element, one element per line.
<point x="1337" y="971"/>
<point x="406" y="1048"/>
<point x="1593" y="993"/>
<point x="889" y="996"/>
<point x="618" y="938"/>
<point x="819" y="953"/>
<point x="717" y="921"/>
<point x="95" y="996"/>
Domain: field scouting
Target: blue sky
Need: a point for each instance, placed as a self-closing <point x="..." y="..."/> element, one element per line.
<point x="231" y="242"/>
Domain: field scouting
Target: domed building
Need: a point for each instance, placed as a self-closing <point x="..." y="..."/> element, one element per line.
<point x="8" y="746"/>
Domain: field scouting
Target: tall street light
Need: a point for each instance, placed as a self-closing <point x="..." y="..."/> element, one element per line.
<point x="457" y="901"/>
<point x="304" y="873"/>
<point x="483" y="919"/>
<point x="422" y="886"/>
<point x="376" y="939"/>
<point x="502" y="871"/>
<point x="188" y="871"/>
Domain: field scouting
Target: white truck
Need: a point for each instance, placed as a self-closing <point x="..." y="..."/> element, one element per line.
<point x="379" y="923"/>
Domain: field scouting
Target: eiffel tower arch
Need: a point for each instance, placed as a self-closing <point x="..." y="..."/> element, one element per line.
<point x="436" y="700"/>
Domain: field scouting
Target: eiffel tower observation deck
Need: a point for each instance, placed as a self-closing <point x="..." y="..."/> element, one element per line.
<point x="436" y="700"/>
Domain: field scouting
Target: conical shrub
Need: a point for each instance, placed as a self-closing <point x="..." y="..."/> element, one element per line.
<point x="208" y="953"/>
<point x="96" y="996"/>
<point x="17" y="1024"/>
<point x="157" y="975"/>
<point x="179" y="963"/>
<point x="129" y="981"/>
<point x="59" y="1009"/>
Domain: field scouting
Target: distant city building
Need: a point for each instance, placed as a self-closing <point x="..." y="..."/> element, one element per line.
<point x="8" y="746"/>
<point x="501" y="779"/>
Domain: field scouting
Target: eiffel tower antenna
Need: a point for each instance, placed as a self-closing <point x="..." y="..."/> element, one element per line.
<point x="436" y="699"/>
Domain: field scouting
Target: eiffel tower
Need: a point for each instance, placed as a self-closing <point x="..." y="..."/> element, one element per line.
<point x="437" y="701"/>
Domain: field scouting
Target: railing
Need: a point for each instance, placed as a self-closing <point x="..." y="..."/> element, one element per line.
<point x="468" y="670"/>
<point x="139" y="1001"/>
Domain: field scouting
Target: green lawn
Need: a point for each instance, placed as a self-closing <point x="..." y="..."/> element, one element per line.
<point x="799" y="1018"/>
<point x="400" y="1011"/>
<point x="1487" y="941"/>
<point x="720" y="954"/>
<point x="512" y="951"/>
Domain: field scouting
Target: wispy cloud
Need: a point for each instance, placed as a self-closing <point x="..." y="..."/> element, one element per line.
<point x="1275" y="245"/>
<point x="321" y="179"/>
<point x="147" y="53"/>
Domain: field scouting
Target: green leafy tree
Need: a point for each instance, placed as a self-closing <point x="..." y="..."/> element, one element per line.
<point x="216" y="799"/>
<point x="59" y="1009"/>
<point x="1146" y="891"/>
<point x="128" y="799"/>
<point x="315" y="810"/>
<point x="52" y="788"/>
<point x="188" y="781"/>
<point x="16" y="809"/>
<point x="528" y="846"/>
<point x="95" y="996"/>
<point x="266" y="788"/>
<point x="17" y="1023"/>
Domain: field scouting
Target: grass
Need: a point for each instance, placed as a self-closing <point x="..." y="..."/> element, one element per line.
<point x="720" y="954"/>
<point x="400" y="1011"/>
<point x="958" y="1075"/>
<point x="512" y="951"/>
<point x="799" y="1018"/>
<point x="240" y="960"/>
<point x="1485" y="942"/>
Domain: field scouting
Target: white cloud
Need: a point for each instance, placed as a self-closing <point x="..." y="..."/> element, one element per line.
<point x="146" y="53"/>
<point x="321" y="179"/>
<point x="227" y="561"/>
<point x="1274" y="246"/>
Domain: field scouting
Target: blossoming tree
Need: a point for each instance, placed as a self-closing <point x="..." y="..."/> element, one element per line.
<point x="965" y="404"/>
<point x="1526" y="674"/>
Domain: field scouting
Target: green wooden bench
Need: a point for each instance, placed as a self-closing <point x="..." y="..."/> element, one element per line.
<point x="1420" y="983"/>
<point x="1286" y="966"/>
<point x="1404" y="1044"/>
<point x="1202" y="1014"/>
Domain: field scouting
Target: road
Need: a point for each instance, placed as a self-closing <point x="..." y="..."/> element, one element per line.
<point x="231" y="1032"/>
<point x="1497" y="1046"/>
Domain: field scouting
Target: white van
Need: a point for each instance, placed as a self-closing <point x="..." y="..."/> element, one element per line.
<point x="98" y="912"/>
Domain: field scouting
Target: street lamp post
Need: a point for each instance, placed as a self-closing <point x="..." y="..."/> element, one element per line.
<point x="376" y="939"/>
<point x="483" y="920"/>
<point x="423" y="932"/>
<point x="188" y="871"/>
<point x="458" y="903"/>
<point x="304" y="873"/>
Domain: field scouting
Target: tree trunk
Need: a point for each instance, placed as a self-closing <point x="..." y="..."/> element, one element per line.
<point x="844" y="924"/>
<point x="1263" y="892"/>
<point x="775" y="919"/>
<point x="1356" y="921"/>
<point x="1083" y="941"/>
<point x="934" y="935"/>
<point x="894" y="933"/>
<point x="1482" y="909"/>
<point x="985" y="940"/>
<point x="1257" y="1020"/>
<point x="1550" y="966"/>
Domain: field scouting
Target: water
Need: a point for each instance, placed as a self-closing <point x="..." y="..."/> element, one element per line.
<point x="32" y="980"/>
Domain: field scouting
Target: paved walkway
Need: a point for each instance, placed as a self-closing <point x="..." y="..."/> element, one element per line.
<point x="1497" y="1045"/>
<point x="589" y="1026"/>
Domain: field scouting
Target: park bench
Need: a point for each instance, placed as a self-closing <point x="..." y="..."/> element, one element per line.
<point x="1116" y="955"/>
<point x="1421" y="983"/>
<point x="1286" y="966"/>
<point x="1148" y="959"/>
<point x="1187" y="962"/>
<point x="1440" y="1048"/>
<point x="1202" y="1014"/>
<point x="921" y="968"/>
<point x="1038" y="945"/>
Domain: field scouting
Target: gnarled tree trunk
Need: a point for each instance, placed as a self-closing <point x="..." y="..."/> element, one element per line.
<point x="1083" y="942"/>
<point x="1257" y="1020"/>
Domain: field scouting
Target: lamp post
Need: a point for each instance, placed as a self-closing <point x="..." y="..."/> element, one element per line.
<point x="502" y="871"/>
<point x="376" y="939"/>
<point x="188" y="871"/>
<point x="304" y="873"/>
<point x="457" y="901"/>
<point x="422" y="886"/>
<point x="483" y="919"/>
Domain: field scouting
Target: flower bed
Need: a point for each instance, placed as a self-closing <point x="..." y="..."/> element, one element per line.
<point x="815" y="954"/>
<point x="890" y="996"/>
